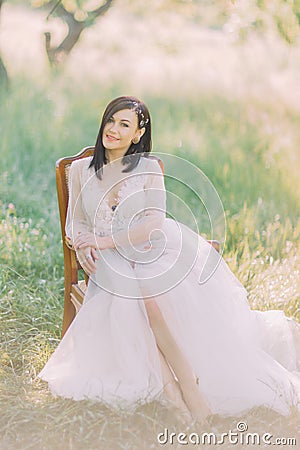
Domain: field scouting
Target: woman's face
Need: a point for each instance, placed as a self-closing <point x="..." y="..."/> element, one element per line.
<point x="120" y="130"/>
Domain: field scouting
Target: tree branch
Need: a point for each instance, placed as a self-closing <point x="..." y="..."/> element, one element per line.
<point x="101" y="10"/>
<point x="75" y="27"/>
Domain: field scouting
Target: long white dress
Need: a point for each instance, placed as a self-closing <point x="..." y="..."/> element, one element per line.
<point x="243" y="358"/>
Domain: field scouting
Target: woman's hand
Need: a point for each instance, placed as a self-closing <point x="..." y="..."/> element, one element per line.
<point x="85" y="240"/>
<point x="87" y="258"/>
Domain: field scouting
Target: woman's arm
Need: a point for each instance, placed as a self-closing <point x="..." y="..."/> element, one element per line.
<point x="75" y="221"/>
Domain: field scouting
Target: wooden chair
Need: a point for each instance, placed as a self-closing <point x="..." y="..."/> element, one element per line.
<point x="74" y="289"/>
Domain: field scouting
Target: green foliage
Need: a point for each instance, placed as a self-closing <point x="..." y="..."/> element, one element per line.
<point x="286" y="18"/>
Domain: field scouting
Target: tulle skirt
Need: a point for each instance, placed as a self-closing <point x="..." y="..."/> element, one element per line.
<point x="242" y="357"/>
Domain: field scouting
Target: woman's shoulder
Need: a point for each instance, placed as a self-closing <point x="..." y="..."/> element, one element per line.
<point x="150" y="163"/>
<point x="81" y="164"/>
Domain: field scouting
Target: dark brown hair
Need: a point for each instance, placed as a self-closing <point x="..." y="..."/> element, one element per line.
<point x="135" y="151"/>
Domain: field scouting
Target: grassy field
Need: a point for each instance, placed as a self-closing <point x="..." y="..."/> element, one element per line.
<point x="249" y="151"/>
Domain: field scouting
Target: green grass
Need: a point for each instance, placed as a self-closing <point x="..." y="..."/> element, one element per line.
<point x="255" y="174"/>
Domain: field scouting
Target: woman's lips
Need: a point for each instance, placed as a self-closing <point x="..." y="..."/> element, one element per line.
<point x="111" y="138"/>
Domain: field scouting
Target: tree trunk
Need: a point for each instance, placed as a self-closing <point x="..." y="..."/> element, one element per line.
<point x="57" y="55"/>
<point x="3" y="72"/>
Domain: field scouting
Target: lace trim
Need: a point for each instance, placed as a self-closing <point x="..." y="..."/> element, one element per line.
<point x="105" y="214"/>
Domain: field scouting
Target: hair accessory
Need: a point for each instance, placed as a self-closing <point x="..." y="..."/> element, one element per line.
<point x="137" y="108"/>
<point x="143" y="122"/>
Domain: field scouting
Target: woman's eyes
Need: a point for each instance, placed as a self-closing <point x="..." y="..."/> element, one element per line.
<point x="123" y="124"/>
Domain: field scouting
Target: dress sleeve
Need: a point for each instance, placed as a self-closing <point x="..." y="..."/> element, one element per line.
<point x="154" y="213"/>
<point x="76" y="220"/>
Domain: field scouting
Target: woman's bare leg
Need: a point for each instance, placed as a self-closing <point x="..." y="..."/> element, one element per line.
<point x="172" y="389"/>
<point x="180" y="365"/>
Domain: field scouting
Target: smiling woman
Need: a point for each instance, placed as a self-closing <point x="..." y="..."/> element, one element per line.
<point x="148" y="328"/>
<point x="125" y="130"/>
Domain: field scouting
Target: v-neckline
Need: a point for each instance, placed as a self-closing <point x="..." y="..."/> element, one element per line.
<point x="123" y="183"/>
<point x="117" y="196"/>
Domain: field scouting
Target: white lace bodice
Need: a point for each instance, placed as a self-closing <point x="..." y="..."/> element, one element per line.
<point x="117" y="216"/>
<point x="136" y="195"/>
